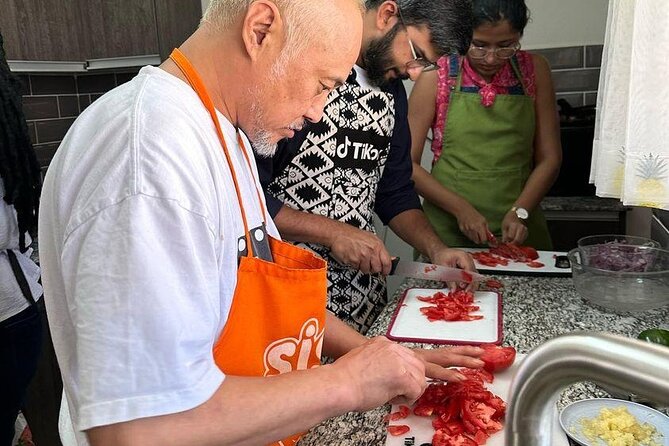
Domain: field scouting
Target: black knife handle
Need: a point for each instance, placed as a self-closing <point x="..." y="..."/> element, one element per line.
<point x="393" y="267"/>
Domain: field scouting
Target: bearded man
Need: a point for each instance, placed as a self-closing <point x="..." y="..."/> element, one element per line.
<point x="324" y="185"/>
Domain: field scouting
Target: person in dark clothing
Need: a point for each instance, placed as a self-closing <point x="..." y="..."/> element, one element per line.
<point x="20" y="290"/>
<point x="324" y="184"/>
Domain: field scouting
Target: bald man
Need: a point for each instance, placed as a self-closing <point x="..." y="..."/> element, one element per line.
<point x="178" y="317"/>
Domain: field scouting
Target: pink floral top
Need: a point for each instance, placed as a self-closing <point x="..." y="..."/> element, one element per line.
<point x="505" y="81"/>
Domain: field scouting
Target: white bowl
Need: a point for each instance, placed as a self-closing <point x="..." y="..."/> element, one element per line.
<point x="571" y="416"/>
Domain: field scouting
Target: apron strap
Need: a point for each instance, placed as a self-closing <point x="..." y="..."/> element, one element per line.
<point x="453" y="66"/>
<point x="455" y="70"/>
<point x="516" y="69"/>
<point x="20" y="277"/>
<point x="248" y="163"/>
<point x="196" y="82"/>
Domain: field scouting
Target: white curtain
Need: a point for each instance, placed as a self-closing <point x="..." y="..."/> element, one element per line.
<point x="630" y="157"/>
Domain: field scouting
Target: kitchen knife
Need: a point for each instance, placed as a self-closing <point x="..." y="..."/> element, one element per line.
<point x="430" y="271"/>
<point x="492" y="240"/>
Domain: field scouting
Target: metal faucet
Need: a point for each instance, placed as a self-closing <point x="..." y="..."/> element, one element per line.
<point x="616" y="361"/>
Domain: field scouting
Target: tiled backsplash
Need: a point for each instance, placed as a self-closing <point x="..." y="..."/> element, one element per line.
<point x="575" y="72"/>
<point x="51" y="103"/>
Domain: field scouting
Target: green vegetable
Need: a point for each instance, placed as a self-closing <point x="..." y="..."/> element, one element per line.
<point x="655" y="335"/>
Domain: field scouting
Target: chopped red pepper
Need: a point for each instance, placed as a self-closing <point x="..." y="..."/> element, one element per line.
<point x="398" y="430"/>
<point x="463" y="413"/>
<point x="402" y="413"/>
<point x="454" y="306"/>
<point x="502" y="253"/>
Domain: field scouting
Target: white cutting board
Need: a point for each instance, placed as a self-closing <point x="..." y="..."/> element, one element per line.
<point x="410" y="325"/>
<point x="422" y="430"/>
<point x="545" y="257"/>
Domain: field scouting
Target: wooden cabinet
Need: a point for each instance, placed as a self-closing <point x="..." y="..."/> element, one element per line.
<point x="42" y="30"/>
<point x="79" y="30"/>
<point x="118" y="28"/>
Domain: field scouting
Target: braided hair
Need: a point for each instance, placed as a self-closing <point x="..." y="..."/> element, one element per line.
<point x="19" y="169"/>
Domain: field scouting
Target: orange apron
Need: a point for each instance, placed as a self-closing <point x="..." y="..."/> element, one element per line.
<point x="277" y="319"/>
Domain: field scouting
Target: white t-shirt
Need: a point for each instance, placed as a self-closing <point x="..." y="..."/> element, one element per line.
<point x="138" y="233"/>
<point x="12" y="300"/>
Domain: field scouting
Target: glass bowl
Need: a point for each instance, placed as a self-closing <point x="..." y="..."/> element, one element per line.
<point x="616" y="238"/>
<point x="621" y="278"/>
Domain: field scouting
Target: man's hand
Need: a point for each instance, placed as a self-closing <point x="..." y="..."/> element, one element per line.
<point x="454" y="258"/>
<point x="348" y="245"/>
<point x="472" y="224"/>
<point x="438" y="360"/>
<point x="359" y="249"/>
<point x="513" y="229"/>
<point x="380" y="371"/>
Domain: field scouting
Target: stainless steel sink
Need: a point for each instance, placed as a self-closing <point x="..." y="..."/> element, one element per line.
<point x="615" y="361"/>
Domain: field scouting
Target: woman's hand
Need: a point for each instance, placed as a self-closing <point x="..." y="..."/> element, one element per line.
<point x="473" y="224"/>
<point x="513" y="229"/>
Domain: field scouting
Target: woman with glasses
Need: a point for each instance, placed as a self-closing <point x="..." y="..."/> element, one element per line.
<point x="496" y="143"/>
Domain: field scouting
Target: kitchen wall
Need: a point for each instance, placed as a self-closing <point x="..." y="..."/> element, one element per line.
<point x="575" y="71"/>
<point x="565" y="23"/>
<point x="553" y="24"/>
<point x="570" y="34"/>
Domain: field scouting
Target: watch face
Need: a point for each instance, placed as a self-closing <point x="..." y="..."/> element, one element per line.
<point x="522" y="213"/>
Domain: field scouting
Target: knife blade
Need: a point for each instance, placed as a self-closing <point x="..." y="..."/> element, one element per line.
<point x="492" y="240"/>
<point x="429" y="271"/>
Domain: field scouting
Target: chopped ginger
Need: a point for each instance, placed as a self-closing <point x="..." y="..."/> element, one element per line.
<point x="618" y="427"/>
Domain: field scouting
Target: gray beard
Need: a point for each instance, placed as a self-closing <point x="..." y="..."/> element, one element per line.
<point x="262" y="144"/>
<point x="260" y="139"/>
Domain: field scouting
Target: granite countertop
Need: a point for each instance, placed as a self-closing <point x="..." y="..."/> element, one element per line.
<point x="536" y="309"/>
<point x="583" y="204"/>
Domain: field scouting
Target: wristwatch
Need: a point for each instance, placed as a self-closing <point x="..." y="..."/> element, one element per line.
<point x="520" y="212"/>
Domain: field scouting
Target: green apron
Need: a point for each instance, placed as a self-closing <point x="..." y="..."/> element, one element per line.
<point x="487" y="158"/>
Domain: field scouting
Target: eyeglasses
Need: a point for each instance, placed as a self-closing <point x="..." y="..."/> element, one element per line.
<point x="480" y="52"/>
<point x="418" y="62"/>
